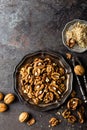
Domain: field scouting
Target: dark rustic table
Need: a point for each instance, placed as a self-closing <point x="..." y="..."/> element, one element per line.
<point x="27" y="26"/>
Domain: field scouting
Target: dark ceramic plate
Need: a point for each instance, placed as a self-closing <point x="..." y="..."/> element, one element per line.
<point x="60" y="61"/>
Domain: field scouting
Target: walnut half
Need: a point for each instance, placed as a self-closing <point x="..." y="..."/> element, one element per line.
<point x="66" y="113"/>
<point x="73" y="103"/>
<point x="54" y="121"/>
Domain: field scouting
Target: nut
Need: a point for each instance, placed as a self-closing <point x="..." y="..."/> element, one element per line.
<point x="9" y="98"/>
<point x="53" y="121"/>
<point x="23" y="117"/>
<point x="66" y="113"/>
<point x="1" y="96"/>
<point x="52" y="88"/>
<point x="61" y="71"/>
<point x="36" y="101"/>
<point x="71" y="43"/>
<point x="68" y="56"/>
<point x="3" y="107"/>
<point x="49" y="68"/>
<point x="72" y="119"/>
<point x="55" y="76"/>
<point x="36" y="71"/>
<point x="31" y="122"/>
<point x="73" y="103"/>
<point x="47" y="61"/>
<point x="79" y="70"/>
<point x="49" y="97"/>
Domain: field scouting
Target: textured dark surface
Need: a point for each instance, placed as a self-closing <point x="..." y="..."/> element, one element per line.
<point x="27" y="26"/>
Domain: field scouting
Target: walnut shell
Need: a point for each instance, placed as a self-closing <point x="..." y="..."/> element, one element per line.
<point x="72" y="119"/>
<point x="3" y="107"/>
<point x="23" y="117"/>
<point x="79" y="70"/>
<point x="9" y="98"/>
<point x="31" y="122"/>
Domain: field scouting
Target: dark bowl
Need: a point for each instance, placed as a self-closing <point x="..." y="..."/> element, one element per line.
<point x="58" y="59"/>
<point x="68" y="26"/>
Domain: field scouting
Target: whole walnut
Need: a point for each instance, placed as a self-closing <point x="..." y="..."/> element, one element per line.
<point x="9" y="98"/>
<point x="79" y="70"/>
<point x="23" y="117"/>
<point x="3" y="107"/>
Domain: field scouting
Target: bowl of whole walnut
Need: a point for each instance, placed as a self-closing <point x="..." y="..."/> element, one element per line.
<point x="43" y="80"/>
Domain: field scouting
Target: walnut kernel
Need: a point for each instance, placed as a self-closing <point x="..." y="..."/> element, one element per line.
<point x="54" y="121"/>
<point x="73" y="103"/>
<point x="66" y="113"/>
<point x="68" y="56"/>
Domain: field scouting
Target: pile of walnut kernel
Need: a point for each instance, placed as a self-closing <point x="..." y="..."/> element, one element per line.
<point x="42" y="80"/>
